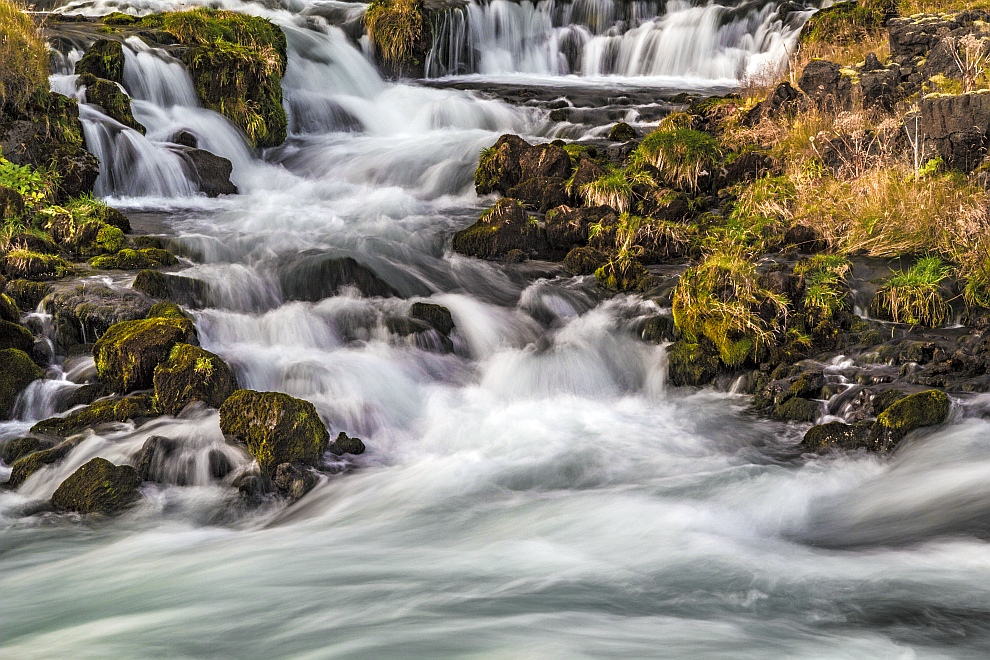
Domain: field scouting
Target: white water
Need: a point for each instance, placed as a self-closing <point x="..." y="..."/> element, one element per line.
<point x="538" y="492"/>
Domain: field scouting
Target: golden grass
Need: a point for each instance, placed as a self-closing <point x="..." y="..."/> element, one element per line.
<point x="23" y="58"/>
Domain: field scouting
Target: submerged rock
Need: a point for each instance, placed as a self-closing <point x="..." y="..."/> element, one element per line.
<point x="127" y="354"/>
<point x="136" y="408"/>
<point x="27" y="465"/>
<point x="99" y="486"/>
<point x="276" y="428"/>
<point x="17" y="371"/>
<point x="177" y="288"/>
<point x="294" y="480"/>
<point x="152" y="461"/>
<point x="192" y="374"/>
<point x="314" y="276"/>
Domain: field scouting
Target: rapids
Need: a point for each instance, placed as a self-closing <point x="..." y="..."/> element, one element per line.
<point x="536" y="492"/>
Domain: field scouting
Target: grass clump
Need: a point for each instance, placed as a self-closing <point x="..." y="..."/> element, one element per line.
<point x="914" y="296"/>
<point x="681" y="154"/>
<point x="615" y="189"/>
<point x="394" y="27"/>
<point x="24" y="58"/>
<point x="823" y="277"/>
<point x="721" y="300"/>
<point x="761" y="215"/>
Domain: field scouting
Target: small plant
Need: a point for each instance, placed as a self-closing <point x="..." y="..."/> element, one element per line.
<point x="37" y="187"/>
<point x="972" y="55"/>
<point x="682" y="154"/>
<point x="24" y="58"/>
<point x="824" y="279"/>
<point x="615" y="189"/>
<point x="394" y="26"/>
<point x="721" y="299"/>
<point x="913" y="296"/>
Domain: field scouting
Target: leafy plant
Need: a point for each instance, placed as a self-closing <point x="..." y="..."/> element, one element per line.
<point x="36" y="186"/>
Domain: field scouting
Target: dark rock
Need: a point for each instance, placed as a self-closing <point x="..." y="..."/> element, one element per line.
<point x="747" y="166"/>
<point x="872" y="63"/>
<point x="584" y="261"/>
<point x="104" y="59"/>
<point x="99" y="486"/>
<point x="115" y="103"/>
<point x="85" y="395"/>
<point x="17" y="448"/>
<point x="17" y="371"/>
<point x="252" y="487"/>
<point x="804" y="238"/>
<point x="346" y="445"/>
<point x="294" y="480"/>
<point x="541" y="193"/>
<point x="9" y="310"/>
<point x="499" y="168"/>
<point x="83" y="314"/>
<point x="192" y="374"/>
<point x="35" y="266"/>
<point x="886" y="399"/>
<point x="152" y="460"/>
<point x="220" y="465"/>
<point x="30" y="463"/>
<point x="503" y="228"/>
<point x="837" y="435"/>
<point x="186" y="139"/>
<point x="690" y="364"/>
<point x="314" y="276"/>
<point x="183" y="290"/>
<point x="276" y="428"/>
<point x="32" y="243"/>
<point x="15" y="336"/>
<point x="127" y="354"/>
<point x="658" y="329"/>
<point x="11" y="204"/>
<point x="587" y="171"/>
<point x="782" y="100"/>
<point x="826" y="86"/>
<point x="941" y="60"/>
<point x="210" y="172"/>
<point x="436" y="316"/>
<point x="797" y="409"/>
<point x="879" y="89"/>
<point x="135" y="408"/>
<point x="912" y="412"/>
<point x="622" y="132"/>
<point x="567" y="228"/>
<point x="957" y="126"/>
<point x="544" y="161"/>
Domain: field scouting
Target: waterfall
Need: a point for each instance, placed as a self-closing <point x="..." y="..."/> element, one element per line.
<point x="594" y="38"/>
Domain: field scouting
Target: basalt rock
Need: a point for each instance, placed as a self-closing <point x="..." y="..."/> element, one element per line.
<point x="115" y="103"/>
<point x="152" y="461"/>
<point x="275" y="427"/>
<point x="293" y="480"/>
<point x="99" y="486"/>
<point x="587" y="171"/>
<point x="541" y="193"/>
<point x="345" y="444"/>
<point x="544" y="161"/>
<point x="826" y="85"/>
<point x="567" y="228"/>
<point x="127" y="354"/>
<point x="879" y="88"/>
<point x="658" y="329"/>
<point x="499" y="169"/>
<point x="192" y="374"/>
<point x="782" y="100"/>
<point x="958" y="126"/>
<point x="17" y="371"/>
<point x="437" y="316"/>
<point x="210" y="172"/>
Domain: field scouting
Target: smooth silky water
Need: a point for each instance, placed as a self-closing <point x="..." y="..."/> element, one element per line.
<point x="538" y="492"/>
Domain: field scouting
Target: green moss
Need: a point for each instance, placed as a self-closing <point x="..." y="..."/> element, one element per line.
<point x="8" y="309"/>
<point x="99" y="486"/>
<point x="797" y="409"/>
<point x="837" y="435"/>
<point x="120" y="18"/>
<point x="489" y="173"/>
<point x="236" y="63"/>
<point x="110" y="238"/>
<point x="276" y="428"/>
<point x="100" y="412"/>
<point x="12" y="450"/>
<point x="28" y="294"/>
<point x="192" y="374"/>
<point x="17" y="370"/>
<point x="692" y="364"/>
<point x="760" y="216"/>
<point x="128" y="259"/>
<point x="913" y="412"/>
<point x="86" y="207"/>
<point x="16" y="336"/>
<point x="622" y="132"/>
<point x="24" y="264"/>
<point x="846" y="21"/>
<point x="166" y="310"/>
<point x="27" y="465"/>
<point x="104" y="59"/>
<point x="127" y="353"/>
<point x="681" y="154"/>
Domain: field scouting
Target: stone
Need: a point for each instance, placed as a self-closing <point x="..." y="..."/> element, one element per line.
<point x="541" y="193"/>
<point x="584" y="261"/>
<point x="17" y="371"/>
<point x="567" y="228"/>
<point x="879" y="89"/>
<point x="437" y="316"/>
<point x="313" y="276"/>
<point x="501" y="229"/>
<point x="15" y="336"/>
<point x="99" y="486"/>
<point x="344" y="444"/>
<point x="17" y="448"/>
<point x="782" y="99"/>
<point x="836" y="435"/>
<point x="690" y="364"/>
<point x="105" y="411"/>
<point x="83" y="313"/>
<point x="826" y="86"/>
<point x="104" y="59"/>
<point x="658" y="329"/>
<point x="499" y="168"/>
<point x="913" y="412"/>
<point x="30" y="463"/>
<point x="152" y="461"/>
<point x="180" y="289"/>
<point x="275" y="427"/>
<point x="192" y="374"/>
<point x="127" y="354"/>
<point x="797" y="409"/>
<point x="957" y="126"/>
<point x="544" y="161"/>
<point x="115" y="103"/>
<point x="210" y="172"/>
<point x="293" y="480"/>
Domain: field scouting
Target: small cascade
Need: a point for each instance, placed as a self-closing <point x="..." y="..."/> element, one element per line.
<point x="595" y="38"/>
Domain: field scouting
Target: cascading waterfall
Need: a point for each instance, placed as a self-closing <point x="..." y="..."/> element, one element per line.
<point x="594" y="38"/>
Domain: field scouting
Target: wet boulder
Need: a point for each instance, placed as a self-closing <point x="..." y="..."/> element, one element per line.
<point x="544" y="161"/>
<point x="275" y="427"/>
<point x="837" y="435"/>
<point x="690" y="364"/>
<point x="15" y="336"/>
<point x="136" y="408"/>
<point x="27" y="294"/>
<point x="345" y="444"/>
<point x="8" y="309"/>
<point x="210" y="172"/>
<point x="293" y="480"/>
<point x="30" y="463"/>
<point x="127" y="354"/>
<point x="797" y="409"/>
<point x="586" y="172"/>
<point x="913" y="412"/>
<point x="501" y="229"/>
<point x="658" y="329"/>
<point x="104" y="59"/>
<point x="541" y="193"/>
<point x="437" y="316"/>
<point x="115" y="103"/>
<point x="314" y="276"/>
<point x="17" y="448"/>
<point x="567" y="227"/>
<point x="584" y="261"/>
<point x="152" y="461"/>
<point x="958" y="126"/>
<point x="187" y="291"/>
<point x="17" y="371"/>
<point x="622" y="132"/>
<point x="192" y="374"/>
<point x="83" y="313"/>
<point x="499" y="168"/>
<point x="99" y="486"/>
<point x="131" y="259"/>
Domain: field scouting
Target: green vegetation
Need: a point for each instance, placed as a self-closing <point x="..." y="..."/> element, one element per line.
<point x="681" y="154"/>
<point x="36" y="186"/>
<point x="823" y="278"/>
<point x="914" y="296"/>
<point x="130" y="259"/>
<point x="24" y="72"/>
<point x="721" y="299"/>
<point x="25" y="264"/>
<point x="615" y="189"/>
<point x="394" y="27"/>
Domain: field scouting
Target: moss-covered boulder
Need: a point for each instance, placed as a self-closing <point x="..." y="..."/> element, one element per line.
<point x="16" y="448"/>
<point x="127" y="354"/>
<point x="276" y="428"/>
<point x="17" y="370"/>
<point x="437" y="316"/>
<point x="837" y="435"/>
<point x="27" y="294"/>
<point x="24" y="264"/>
<point x="15" y="336"/>
<point x="104" y="59"/>
<point x="584" y="261"/>
<point x="129" y="259"/>
<point x="912" y="412"/>
<point x="99" y="486"/>
<point x="691" y="364"/>
<point x="177" y="288"/>
<point x="498" y="167"/>
<point x="622" y="132"/>
<point x="115" y="103"/>
<point x="105" y="411"/>
<point x="167" y="310"/>
<point x="192" y="374"/>
<point x="8" y="309"/>
<point x="797" y="409"/>
<point x="500" y="230"/>
<point x="30" y="463"/>
<point x="11" y="204"/>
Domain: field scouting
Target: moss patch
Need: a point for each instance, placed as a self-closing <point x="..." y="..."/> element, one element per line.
<point x="100" y="412"/>
<point x="24" y="264"/>
<point x="128" y="259"/>
<point x="127" y="354"/>
<point x="192" y="374"/>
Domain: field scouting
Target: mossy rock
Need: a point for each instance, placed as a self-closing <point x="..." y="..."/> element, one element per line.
<point x="104" y="411"/>
<point x="915" y="411"/>
<point x="500" y="230"/>
<point x="99" y="486"/>
<point x="32" y="242"/>
<point x="658" y="329"/>
<point x="127" y="354"/>
<point x="886" y="399"/>
<point x="437" y="316"/>
<point x="15" y="336"/>
<point x="837" y="435"/>
<point x="797" y="409"/>
<point x="167" y="310"/>
<point x="104" y="59"/>
<point x="128" y="259"/>
<point x="192" y="374"/>
<point x="11" y="204"/>
<point x="27" y="465"/>
<point x="622" y="132"/>
<point x="115" y="103"/>
<point x="690" y="364"/>
<point x="24" y="264"/>
<point x="28" y="294"/>
<point x="18" y="448"/>
<point x="95" y="237"/>
<point x="345" y="444"/>
<point x="627" y="277"/>
<point x="8" y="309"/>
<point x="276" y="428"/>
<point x="177" y="288"/>
<point x="17" y="371"/>
<point x="584" y="261"/>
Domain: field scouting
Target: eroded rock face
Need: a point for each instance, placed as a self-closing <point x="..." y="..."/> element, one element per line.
<point x="826" y="86"/>
<point x="99" y="486"/>
<point x="958" y="127"/>
<point x="275" y="427"/>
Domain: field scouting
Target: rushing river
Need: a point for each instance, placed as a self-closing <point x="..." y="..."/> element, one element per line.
<point x="537" y="492"/>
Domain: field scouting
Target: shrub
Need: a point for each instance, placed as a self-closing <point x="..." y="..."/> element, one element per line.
<point x="721" y="299"/>
<point x="394" y="26"/>
<point x="24" y="72"/>
<point x="913" y="296"/>
<point x="681" y="154"/>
